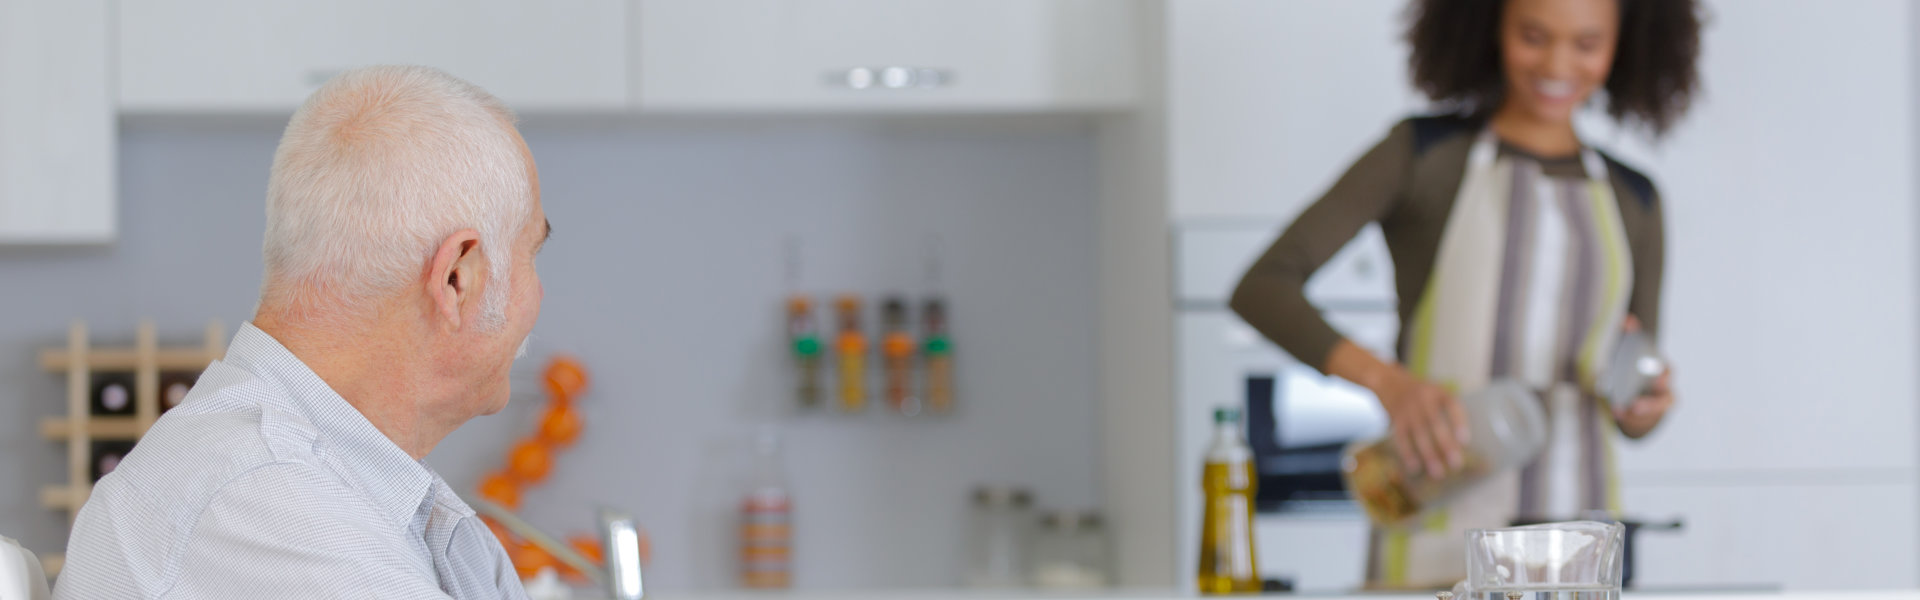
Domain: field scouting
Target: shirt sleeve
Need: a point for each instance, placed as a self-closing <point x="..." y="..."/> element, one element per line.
<point x="1272" y="295"/>
<point x="476" y="565"/>
<point x="1649" y="266"/>
<point x="284" y="531"/>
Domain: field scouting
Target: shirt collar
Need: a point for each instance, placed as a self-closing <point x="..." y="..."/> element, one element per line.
<point x="391" y="478"/>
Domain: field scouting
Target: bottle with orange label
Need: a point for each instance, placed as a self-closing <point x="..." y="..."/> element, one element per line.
<point x="896" y="351"/>
<point x="851" y="350"/>
<point x="766" y="520"/>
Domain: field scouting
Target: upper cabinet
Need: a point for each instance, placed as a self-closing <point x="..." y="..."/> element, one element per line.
<point x="883" y="55"/>
<point x="56" y="123"/>
<point x="268" y="55"/>
<point x="222" y="56"/>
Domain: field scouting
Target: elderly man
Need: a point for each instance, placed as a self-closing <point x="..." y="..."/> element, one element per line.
<point x="403" y="216"/>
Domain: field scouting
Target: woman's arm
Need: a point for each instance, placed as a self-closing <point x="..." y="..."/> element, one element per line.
<point x="1272" y="295"/>
<point x="1648" y="239"/>
<point x="1428" y="424"/>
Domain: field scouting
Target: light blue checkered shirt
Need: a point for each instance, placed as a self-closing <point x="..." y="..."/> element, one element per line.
<point x="264" y="483"/>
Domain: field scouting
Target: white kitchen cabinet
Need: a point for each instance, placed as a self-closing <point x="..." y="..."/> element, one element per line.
<point x="883" y="55"/>
<point x="226" y="55"/>
<point x="56" y="123"/>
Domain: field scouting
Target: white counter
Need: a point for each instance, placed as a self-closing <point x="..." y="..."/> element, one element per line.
<point x="1170" y="595"/>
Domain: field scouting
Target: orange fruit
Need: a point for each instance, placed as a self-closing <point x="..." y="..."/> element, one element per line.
<point x="529" y="461"/>
<point x="561" y="425"/>
<point x="502" y="490"/>
<point x="589" y="547"/>
<point x="528" y="560"/>
<point x="566" y="378"/>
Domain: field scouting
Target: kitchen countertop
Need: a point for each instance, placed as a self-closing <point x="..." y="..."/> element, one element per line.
<point x="1163" y="594"/>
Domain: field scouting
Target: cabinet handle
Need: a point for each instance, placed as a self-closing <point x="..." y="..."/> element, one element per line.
<point x="890" y="78"/>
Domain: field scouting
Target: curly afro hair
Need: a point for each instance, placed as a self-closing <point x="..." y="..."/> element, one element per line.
<point x="1455" y="58"/>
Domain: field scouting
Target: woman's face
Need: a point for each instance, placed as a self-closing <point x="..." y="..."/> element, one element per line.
<point x="1556" y="53"/>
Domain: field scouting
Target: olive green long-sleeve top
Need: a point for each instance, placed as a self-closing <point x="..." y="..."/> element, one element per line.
<point x="1407" y="184"/>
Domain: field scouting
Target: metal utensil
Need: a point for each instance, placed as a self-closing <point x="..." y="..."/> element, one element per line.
<point x="621" y="577"/>
<point x="622" y="538"/>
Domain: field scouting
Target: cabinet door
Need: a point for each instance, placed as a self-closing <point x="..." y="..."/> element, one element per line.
<point x="56" y="123"/>
<point x="208" y="55"/>
<point x="779" y="55"/>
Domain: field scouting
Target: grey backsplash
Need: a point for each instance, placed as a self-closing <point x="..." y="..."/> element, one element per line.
<point x="665" y="275"/>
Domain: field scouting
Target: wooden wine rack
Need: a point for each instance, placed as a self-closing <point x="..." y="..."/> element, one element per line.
<point x="79" y="360"/>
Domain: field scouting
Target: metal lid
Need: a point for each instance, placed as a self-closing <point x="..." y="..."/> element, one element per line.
<point x="988" y="495"/>
<point x="1226" y="415"/>
<point x="1055" y="520"/>
<point x="1091" y="521"/>
<point x="1630" y="370"/>
<point x="1071" y="520"/>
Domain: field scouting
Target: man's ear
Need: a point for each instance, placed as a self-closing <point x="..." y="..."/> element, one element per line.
<point x="455" y="277"/>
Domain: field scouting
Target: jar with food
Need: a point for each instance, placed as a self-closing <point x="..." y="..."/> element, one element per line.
<point x="1507" y="428"/>
<point x="1070" y="552"/>
<point x="1000" y="537"/>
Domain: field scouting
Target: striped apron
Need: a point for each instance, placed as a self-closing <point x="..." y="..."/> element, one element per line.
<point x="1530" y="283"/>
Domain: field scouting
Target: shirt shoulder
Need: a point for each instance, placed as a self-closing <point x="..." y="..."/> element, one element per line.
<point x="139" y="519"/>
<point x="231" y="423"/>
<point x="291" y="526"/>
<point x="1427" y="132"/>
<point x="1631" y="180"/>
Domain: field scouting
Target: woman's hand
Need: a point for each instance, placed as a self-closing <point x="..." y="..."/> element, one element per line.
<point x="1638" y="419"/>
<point x="1429" y="426"/>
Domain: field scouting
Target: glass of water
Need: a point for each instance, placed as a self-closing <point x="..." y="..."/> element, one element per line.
<point x="1577" y="560"/>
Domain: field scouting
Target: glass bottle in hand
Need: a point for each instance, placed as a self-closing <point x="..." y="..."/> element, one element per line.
<point x="1507" y="428"/>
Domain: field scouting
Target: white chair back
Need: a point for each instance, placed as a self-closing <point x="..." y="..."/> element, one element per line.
<point x="20" y="575"/>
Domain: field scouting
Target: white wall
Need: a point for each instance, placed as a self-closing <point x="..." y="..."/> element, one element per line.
<point x="1790" y="305"/>
<point x="1790" y="299"/>
<point x="1269" y="101"/>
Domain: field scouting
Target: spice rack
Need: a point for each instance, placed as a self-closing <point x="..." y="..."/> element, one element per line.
<point x="80" y="361"/>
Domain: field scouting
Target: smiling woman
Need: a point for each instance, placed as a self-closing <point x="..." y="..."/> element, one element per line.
<point x="1521" y="255"/>
<point x="1542" y="55"/>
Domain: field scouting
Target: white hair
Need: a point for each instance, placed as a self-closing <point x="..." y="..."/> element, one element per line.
<point x="374" y="171"/>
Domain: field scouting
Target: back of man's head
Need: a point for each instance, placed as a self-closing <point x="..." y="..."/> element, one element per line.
<point x="374" y="170"/>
